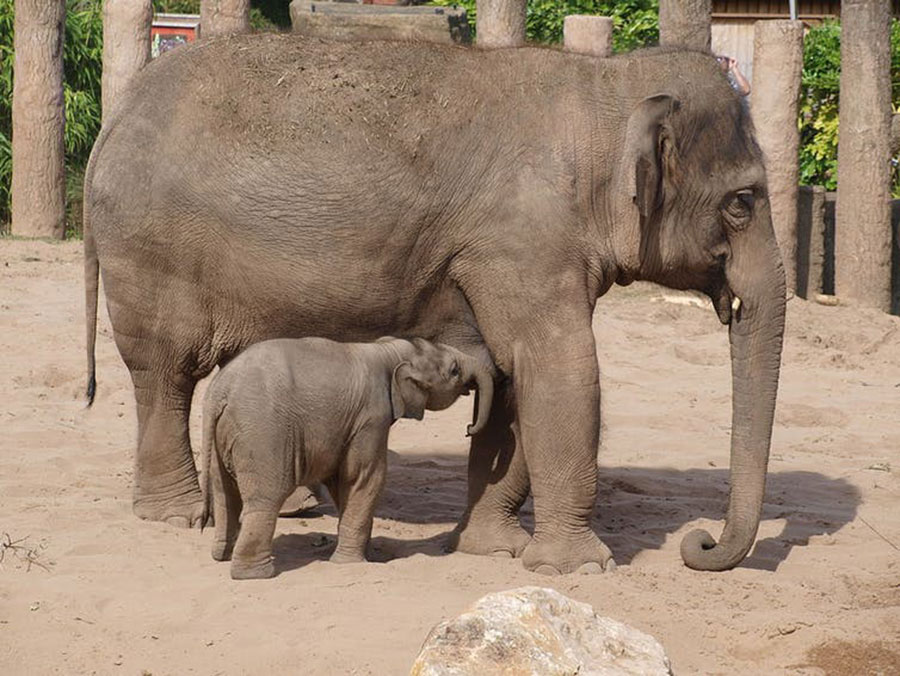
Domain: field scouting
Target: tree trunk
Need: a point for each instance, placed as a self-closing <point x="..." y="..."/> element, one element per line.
<point x="38" y="120"/>
<point x="588" y="34"/>
<point x="862" y="268"/>
<point x="685" y="23"/>
<point x="777" y="64"/>
<point x="224" y="17"/>
<point x="126" y="45"/>
<point x="500" y="23"/>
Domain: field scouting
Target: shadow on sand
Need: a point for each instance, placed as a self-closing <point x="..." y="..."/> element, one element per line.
<point x="638" y="508"/>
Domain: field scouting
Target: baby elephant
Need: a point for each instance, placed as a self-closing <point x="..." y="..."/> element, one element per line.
<point x="290" y="412"/>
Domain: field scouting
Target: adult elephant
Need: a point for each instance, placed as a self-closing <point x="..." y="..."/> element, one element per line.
<point x="267" y="185"/>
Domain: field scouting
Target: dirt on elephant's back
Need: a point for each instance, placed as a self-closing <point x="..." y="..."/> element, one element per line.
<point x="287" y="89"/>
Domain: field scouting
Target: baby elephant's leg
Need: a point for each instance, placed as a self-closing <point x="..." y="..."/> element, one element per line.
<point x="253" y="552"/>
<point x="361" y="479"/>
<point x="264" y="493"/>
<point x="226" y="509"/>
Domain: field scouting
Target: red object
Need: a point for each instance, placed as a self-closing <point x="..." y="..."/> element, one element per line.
<point x="171" y="30"/>
<point x="188" y="33"/>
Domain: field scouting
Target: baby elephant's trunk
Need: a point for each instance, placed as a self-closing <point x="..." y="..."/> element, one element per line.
<point x="484" y="380"/>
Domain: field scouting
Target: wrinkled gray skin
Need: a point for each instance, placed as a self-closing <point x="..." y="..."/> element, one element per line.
<point x="269" y="186"/>
<point x="289" y="412"/>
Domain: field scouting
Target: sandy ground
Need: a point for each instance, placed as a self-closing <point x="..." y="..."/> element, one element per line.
<point x="109" y="594"/>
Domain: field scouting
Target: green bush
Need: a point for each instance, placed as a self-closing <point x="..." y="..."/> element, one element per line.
<point x="819" y="103"/>
<point x="264" y="14"/>
<point x="636" y="21"/>
<point x="6" y="81"/>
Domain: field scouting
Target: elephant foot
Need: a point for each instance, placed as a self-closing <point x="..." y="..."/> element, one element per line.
<point x="221" y="550"/>
<point x="568" y="553"/>
<point x="259" y="570"/>
<point x="184" y="511"/>
<point x="501" y="538"/>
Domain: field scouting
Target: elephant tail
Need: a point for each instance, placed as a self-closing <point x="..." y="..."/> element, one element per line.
<point x="91" y="290"/>
<point x="212" y="411"/>
<point x="91" y="262"/>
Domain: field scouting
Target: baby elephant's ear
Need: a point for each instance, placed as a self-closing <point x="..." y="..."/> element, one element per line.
<point x="408" y="397"/>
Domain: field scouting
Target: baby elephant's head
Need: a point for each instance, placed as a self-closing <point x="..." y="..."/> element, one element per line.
<point x="434" y="376"/>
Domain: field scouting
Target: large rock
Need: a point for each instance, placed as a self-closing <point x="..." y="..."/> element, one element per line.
<point x="532" y="630"/>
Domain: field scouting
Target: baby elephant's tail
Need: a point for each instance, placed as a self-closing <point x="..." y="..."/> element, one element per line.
<point x="212" y="411"/>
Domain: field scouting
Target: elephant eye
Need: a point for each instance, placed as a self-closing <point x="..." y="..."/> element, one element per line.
<point x="454" y="370"/>
<point x="739" y="208"/>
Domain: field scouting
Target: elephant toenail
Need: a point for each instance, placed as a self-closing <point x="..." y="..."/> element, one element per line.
<point x="590" y="568"/>
<point x="546" y="569"/>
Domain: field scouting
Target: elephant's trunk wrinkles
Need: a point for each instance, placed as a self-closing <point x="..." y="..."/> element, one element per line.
<point x="755" y="274"/>
<point x="485" y="382"/>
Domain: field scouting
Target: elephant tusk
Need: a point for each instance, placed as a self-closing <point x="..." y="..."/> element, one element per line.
<point x="736" y="304"/>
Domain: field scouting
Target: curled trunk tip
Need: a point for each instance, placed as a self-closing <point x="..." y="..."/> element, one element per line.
<point x="700" y="551"/>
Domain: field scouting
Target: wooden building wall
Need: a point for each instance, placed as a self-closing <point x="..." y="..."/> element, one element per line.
<point x="732" y="23"/>
<point x="777" y="9"/>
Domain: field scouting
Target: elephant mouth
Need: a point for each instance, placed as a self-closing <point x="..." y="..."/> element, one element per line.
<point x="725" y="301"/>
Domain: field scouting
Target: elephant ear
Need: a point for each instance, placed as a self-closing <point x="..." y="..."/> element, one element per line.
<point x="408" y="396"/>
<point x="648" y="155"/>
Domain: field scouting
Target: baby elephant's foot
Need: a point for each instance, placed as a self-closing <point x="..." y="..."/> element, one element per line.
<point x="253" y="570"/>
<point x="221" y="550"/>
<point x="347" y="557"/>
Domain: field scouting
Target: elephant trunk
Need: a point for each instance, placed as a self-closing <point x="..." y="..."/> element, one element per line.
<point x="755" y="275"/>
<point x="484" y="380"/>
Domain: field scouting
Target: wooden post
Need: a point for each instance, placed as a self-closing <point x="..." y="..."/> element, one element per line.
<point x="685" y="23"/>
<point x="862" y="268"/>
<point x="126" y="45"/>
<point x="500" y="23"/>
<point x="777" y="66"/>
<point x="224" y="17"/>
<point x="588" y="34"/>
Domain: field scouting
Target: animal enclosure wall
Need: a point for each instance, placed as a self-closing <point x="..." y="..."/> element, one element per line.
<point x="815" y="244"/>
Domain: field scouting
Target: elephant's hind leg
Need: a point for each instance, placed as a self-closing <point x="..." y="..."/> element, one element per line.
<point x="165" y="478"/>
<point x="163" y="334"/>
<point x="498" y="485"/>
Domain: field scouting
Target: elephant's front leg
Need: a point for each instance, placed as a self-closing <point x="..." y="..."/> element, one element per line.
<point x="557" y="399"/>
<point x="358" y="487"/>
<point x="498" y="485"/>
